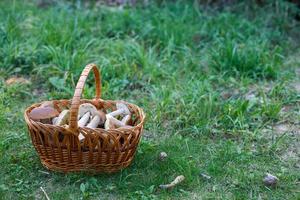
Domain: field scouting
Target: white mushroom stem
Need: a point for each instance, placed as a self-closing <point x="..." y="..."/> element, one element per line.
<point x="62" y="118"/>
<point x="126" y="119"/>
<point x="80" y="137"/>
<point x="116" y="122"/>
<point x="112" y="122"/>
<point x="84" y="119"/>
<point x="94" y="122"/>
<point x="116" y="113"/>
<point x="54" y="120"/>
<point x="122" y="109"/>
<point x="177" y="180"/>
<point x="108" y="124"/>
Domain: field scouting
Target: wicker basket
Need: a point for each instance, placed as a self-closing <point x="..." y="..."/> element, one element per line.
<point x="101" y="151"/>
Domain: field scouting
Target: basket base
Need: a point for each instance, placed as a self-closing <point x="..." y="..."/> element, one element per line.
<point x="93" y="168"/>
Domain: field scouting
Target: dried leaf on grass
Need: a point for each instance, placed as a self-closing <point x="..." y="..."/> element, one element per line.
<point x="17" y="80"/>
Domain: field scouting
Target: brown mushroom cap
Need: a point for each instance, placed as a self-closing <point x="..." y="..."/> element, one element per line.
<point x="43" y="113"/>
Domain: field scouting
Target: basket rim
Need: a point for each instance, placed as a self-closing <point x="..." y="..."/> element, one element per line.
<point x="119" y="130"/>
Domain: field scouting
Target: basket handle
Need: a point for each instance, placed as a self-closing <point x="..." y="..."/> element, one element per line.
<point x="73" y="124"/>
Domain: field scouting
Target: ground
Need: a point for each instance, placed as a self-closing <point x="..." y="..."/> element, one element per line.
<point x="219" y="85"/>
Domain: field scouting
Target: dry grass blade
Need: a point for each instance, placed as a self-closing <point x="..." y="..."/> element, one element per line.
<point x="45" y="193"/>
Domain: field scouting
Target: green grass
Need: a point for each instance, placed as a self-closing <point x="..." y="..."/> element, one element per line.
<point x="215" y="84"/>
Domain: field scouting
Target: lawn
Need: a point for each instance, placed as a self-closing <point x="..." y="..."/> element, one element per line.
<point x="220" y="85"/>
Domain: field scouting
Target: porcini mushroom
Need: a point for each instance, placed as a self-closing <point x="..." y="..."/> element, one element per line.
<point x="82" y="122"/>
<point x="162" y="156"/>
<point x="109" y="124"/>
<point x="62" y="118"/>
<point x="84" y="119"/>
<point x="94" y="122"/>
<point x="97" y="120"/>
<point x="270" y="180"/>
<point x="87" y="107"/>
<point x="112" y="122"/>
<point x="122" y="109"/>
<point x="43" y="114"/>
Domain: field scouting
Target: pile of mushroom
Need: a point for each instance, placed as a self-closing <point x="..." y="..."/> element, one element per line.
<point x="88" y="116"/>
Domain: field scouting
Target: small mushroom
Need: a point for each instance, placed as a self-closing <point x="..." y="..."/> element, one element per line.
<point x="112" y="122"/>
<point x="270" y="180"/>
<point x="62" y="118"/>
<point x="87" y="107"/>
<point x="43" y="114"/>
<point x="84" y="119"/>
<point x="109" y="124"/>
<point x="122" y="109"/>
<point x="98" y="119"/>
<point x="116" y="122"/>
<point x="177" y="180"/>
<point x="94" y="122"/>
<point x="162" y="156"/>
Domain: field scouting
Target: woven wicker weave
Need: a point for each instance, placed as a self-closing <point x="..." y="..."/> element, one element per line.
<point x="101" y="151"/>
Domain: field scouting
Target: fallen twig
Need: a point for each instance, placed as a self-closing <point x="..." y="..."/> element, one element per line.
<point x="46" y="195"/>
<point x="177" y="180"/>
<point x="205" y="176"/>
<point x="43" y="172"/>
